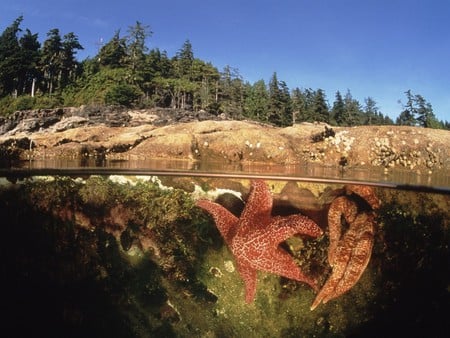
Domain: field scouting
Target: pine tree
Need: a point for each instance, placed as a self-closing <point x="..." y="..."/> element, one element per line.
<point x="407" y="116"/>
<point x="10" y="58"/>
<point x="338" y="109"/>
<point x="158" y="64"/>
<point x="371" y="112"/>
<point x="184" y="60"/>
<point x="320" y="107"/>
<point x="113" y="53"/>
<point x="352" y="111"/>
<point x="424" y="112"/>
<point x="206" y="77"/>
<point x="136" y="49"/>
<point x="256" y="101"/>
<point x="298" y="105"/>
<point x="30" y="54"/>
<point x="69" y="64"/>
<point x="280" y="107"/>
<point x="50" y="62"/>
<point x="231" y="92"/>
<point x="417" y="111"/>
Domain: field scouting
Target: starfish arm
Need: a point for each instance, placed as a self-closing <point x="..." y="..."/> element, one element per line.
<point x="361" y="252"/>
<point x="366" y="192"/>
<point x="249" y="276"/>
<point x="258" y="208"/>
<point x="351" y="258"/>
<point x="340" y="206"/>
<point x="281" y="263"/>
<point x="281" y="228"/>
<point x="225" y="221"/>
<point x="328" y="289"/>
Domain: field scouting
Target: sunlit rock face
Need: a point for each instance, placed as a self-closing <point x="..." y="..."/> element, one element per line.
<point x="111" y="134"/>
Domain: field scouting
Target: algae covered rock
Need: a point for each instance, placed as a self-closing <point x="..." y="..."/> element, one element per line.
<point x="131" y="256"/>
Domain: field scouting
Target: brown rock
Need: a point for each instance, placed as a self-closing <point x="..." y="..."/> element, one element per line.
<point x="413" y="149"/>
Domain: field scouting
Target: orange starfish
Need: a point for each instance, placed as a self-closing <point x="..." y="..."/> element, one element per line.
<point x="348" y="254"/>
<point x="254" y="237"/>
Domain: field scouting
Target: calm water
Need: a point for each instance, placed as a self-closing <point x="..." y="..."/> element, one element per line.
<point x="122" y="251"/>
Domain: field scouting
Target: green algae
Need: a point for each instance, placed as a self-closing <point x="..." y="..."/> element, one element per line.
<point x="135" y="258"/>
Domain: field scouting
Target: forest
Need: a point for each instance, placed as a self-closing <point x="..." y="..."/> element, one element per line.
<point x="126" y="72"/>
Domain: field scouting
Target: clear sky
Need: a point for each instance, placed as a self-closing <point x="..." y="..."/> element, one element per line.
<point x="376" y="48"/>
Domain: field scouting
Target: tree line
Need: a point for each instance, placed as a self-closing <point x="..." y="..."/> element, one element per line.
<point x="126" y="72"/>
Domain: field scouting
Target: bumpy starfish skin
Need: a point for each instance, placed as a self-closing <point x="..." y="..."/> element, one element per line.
<point x="366" y="192"/>
<point x="352" y="256"/>
<point x="254" y="237"/>
<point x="350" y="253"/>
<point x="341" y="206"/>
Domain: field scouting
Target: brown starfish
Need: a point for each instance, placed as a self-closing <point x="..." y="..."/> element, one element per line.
<point x="349" y="253"/>
<point x="254" y="238"/>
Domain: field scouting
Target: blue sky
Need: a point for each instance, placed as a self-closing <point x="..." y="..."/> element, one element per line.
<point x="376" y="48"/>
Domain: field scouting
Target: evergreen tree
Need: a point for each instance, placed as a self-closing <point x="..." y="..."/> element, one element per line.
<point x="309" y="110"/>
<point x="50" y="62"/>
<point x="158" y="68"/>
<point x="123" y="72"/>
<point x="10" y="58"/>
<point x="231" y="92"/>
<point x="113" y="53"/>
<point x="352" y="111"/>
<point x="182" y="88"/>
<point x="136" y="49"/>
<point x="407" y="116"/>
<point x="371" y="112"/>
<point x="158" y="64"/>
<point x="424" y="112"/>
<point x="320" y="107"/>
<point x="256" y="101"/>
<point x="298" y="105"/>
<point x="184" y="60"/>
<point x="338" y="109"/>
<point x="69" y="64"/>
<point x="417" y="111"/>
<point x="280" y="107"/>
<point x="288" y="116"/>
<point x="387" y="120"/>
<point x="30" y="54"/>
<point x="207" y="78"/>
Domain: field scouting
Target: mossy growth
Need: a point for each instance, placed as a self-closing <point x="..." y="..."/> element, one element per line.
<point x="68" y="234"/>
<point x="138" y="259"/>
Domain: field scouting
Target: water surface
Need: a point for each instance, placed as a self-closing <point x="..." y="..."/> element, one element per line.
<point x="122" y="250"/>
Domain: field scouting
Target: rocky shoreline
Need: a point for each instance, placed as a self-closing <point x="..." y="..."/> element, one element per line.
<point x="127" y="135"/>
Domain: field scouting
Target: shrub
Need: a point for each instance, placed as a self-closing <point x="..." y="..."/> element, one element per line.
<point x="47" y="102"/>
<point x="6" y="105"/>
<point x="122" y="94"/>
<point x="24" y="102"/>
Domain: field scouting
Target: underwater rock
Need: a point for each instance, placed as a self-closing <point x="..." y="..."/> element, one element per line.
<point x="66" y="272"/>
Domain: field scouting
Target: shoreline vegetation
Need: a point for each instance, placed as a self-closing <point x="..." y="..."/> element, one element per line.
<point x="125" y="72"/>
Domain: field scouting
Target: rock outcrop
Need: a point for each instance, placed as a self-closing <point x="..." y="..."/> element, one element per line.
<point x="60" y="119"/>
<point x="114" y="134"/>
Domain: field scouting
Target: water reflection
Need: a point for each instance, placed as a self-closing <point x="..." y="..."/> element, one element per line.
<point x="439" y="180"/>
